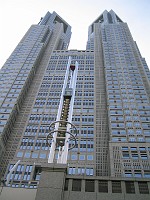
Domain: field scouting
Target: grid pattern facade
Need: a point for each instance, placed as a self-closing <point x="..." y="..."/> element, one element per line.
<point x="32" y="147"/>
<point x="111" y="107"/>
<point x="16" y="76"/>
<point x="26" y="64"/>
<point x="127" y="95"/>
<point x="101" y="115"/>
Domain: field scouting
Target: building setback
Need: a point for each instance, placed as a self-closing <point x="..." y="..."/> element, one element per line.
<point x="111" y="112"/>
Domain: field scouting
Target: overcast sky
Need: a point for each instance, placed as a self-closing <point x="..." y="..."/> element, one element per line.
<point x="16" y="16"/>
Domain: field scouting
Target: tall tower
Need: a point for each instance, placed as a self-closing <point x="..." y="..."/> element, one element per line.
<point x="111" y="113"/>
<point x="27" y="62"/>
<point x="122" y="120"/>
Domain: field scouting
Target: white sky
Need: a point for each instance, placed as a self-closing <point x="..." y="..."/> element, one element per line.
<point x="16" y="16"/>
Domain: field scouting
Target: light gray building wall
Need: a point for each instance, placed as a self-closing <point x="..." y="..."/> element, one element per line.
<point x="111" y="112"/>
<point x="27" y="62"/>
<point x="56" y="184"/>
<point x="127" y="94"/>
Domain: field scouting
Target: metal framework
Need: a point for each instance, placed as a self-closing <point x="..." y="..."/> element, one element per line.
<point x="62" y="130"/>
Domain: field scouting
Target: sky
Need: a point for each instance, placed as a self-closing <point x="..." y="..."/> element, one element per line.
<point x="16" y="16"/>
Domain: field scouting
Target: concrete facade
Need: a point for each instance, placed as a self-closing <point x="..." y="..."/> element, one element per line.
<point x="56" y="184"/>
<point x="111" y="112"/>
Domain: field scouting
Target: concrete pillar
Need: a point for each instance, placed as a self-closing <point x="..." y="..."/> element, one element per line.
<point x="136" y="187"/>
<point x="51" y="185"/>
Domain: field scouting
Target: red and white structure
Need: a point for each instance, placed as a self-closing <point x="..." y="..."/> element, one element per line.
<point x="62" y="130"/>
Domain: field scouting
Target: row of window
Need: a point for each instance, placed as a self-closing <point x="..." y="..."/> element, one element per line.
<point x="43" y="130"/>
<point x="131" y="113"/>
<point x="60" y="68"/>
<point x="81" y="171"/>
<point x="135" y="155"/>
<point x="33" y="155"/>
<point x="116" y="186"/>
<point x="31" y="143"/>
<point x="141" y="149"/>
<point x="129" y="174"/>
<point x="131" y="131"/>
<point x="80" y="157"/>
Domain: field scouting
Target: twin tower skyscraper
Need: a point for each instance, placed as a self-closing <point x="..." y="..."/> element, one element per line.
<point x="111" y="106"/>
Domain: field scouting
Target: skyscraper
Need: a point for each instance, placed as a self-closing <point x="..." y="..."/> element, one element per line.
<point x="111" y="112"/>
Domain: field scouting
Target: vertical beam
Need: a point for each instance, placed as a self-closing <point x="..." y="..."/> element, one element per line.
<point x="73" y="86"/>
<point x="53" y="145"/>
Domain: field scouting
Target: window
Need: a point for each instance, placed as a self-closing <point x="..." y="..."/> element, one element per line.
<point x="89" y="171"/>
<point x="132" y="139"/>
<point x="42" y="155"/>
<point x="103" y="186"/>
<point x="82" y="157"/>
<point x="73" y="157"/>
<point x="135" y="156"/>
<point x="144" y="157"/>
<point x="130" y="189"/>
<point x="142" y="148"/>
<point x="66" y="184"/>
<point x="89" y="186"/>
<point x="143" y="187"/>
<point x="116" y="187"/>
<point x="37" y="173"/>
<point x="28" y="168"/>
<point x="133" y="148"/>
<point x="89" y="157"/>
<point x="71" y="170"/>
<point x="138" y="175"/>
<point x="34" y="155"/>
<point x="125" y="155"/>
<point x="130" y="131"/>
<point x="19" y="154"/>
<point x="27" y="155"/>
<point x="146" y="174"/>
<point x="76" y="185"/>
<point x="128" y="174"/>
<point x="124" y="148"/>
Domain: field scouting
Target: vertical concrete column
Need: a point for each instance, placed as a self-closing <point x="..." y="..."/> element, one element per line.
<point x="123" y="187"/>
<point x="136" y="187"/>
<point x="109" y="187"/>
<point x="96" y="186"/>
<point x="51" y="185"/>
<point x="83" y="185"/>
<point x="70" y="185"/>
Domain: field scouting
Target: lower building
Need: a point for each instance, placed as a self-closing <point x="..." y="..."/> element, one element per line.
<point x="55" y="183"/>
